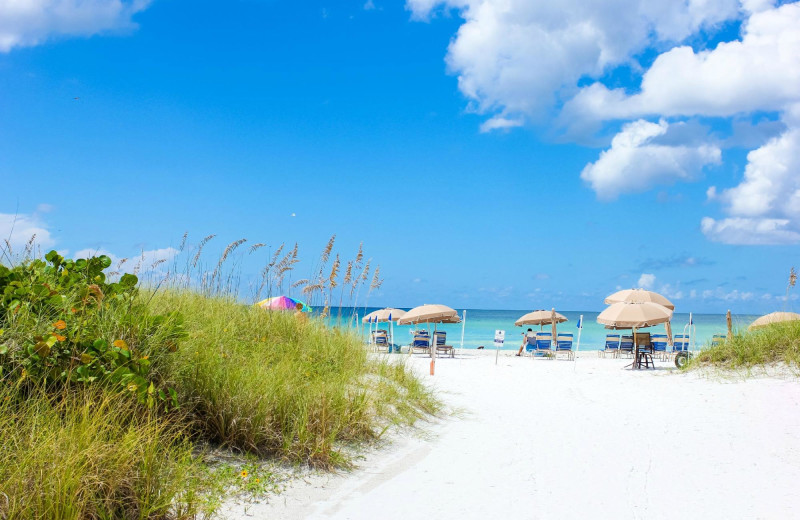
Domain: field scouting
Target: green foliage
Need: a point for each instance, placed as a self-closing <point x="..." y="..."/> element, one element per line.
<point x="776" y="343"/>
<point x="62" y="321"/>
<point x="84" y="361"/>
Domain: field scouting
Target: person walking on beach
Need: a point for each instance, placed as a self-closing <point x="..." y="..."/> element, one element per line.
<point x="525" y="336"/>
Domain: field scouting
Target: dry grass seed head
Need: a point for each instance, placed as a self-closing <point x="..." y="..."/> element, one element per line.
<point x="376" y="279"/>
<point x="326" y="253"/>
<point x="334" y="273"/>
<point x="348" y="273"/>
<point x="200" y="249"/>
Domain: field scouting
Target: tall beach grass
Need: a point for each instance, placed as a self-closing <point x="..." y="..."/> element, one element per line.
<point x="778" y="343"/>
<point x="272" y="385"/>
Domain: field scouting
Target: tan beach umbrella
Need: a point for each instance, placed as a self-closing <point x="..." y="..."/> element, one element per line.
<point x="540" y="318"/>
<point x="430" y="314"/>
<point x="774" y="317"/>
<point x="634" y="315"/>
<point x="639" y="296"/>
<point x="383" y="315"/>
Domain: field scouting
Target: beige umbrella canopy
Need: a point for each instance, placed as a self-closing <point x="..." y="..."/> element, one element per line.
<point x="430" y="314"/>
<point x="539" y="318"/>
<point x="634" y="315"/>
<point x="383" y="315"/>
<point x="639" y="296"/>
<point x="774" y="317"/>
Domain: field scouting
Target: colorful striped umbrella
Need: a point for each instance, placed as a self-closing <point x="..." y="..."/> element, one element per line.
<point x="283" y="303"/>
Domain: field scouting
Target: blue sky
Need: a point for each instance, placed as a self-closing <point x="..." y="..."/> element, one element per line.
<point x="488" y="154"/>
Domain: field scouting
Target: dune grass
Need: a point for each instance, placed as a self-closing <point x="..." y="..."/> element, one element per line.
<point x="112" y="395"/>
<point x="776" y="343"/>
<point x="273" y="384"/>
<point x="91" y="453"/>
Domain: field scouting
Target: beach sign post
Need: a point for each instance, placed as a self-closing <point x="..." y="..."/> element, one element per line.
<point x="499" y="339"/>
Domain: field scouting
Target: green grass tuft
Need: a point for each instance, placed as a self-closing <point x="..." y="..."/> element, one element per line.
<point x="776" y="343"/>
<point x="90" y="453"/>
<point x="272" y="384"/>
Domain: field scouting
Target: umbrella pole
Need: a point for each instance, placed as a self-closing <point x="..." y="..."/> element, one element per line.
<point x="463" y="325"/>
<point x="433" y="348"/>
<point x="635" y="350"/>
<point x="578" y="346"/>
<point x="391" y="333"/>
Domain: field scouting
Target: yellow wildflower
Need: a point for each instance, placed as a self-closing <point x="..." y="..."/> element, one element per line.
<point x="120" y="343"/>
<point x="243" y="474"/>
<point x="59" y="337"/>
<point x="60" y="325"/>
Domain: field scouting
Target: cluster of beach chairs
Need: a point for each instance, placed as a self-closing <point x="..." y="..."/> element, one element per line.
<point x="542" y="345"/>
<point x="656" y="345"/>
<point x="420" y="344"/>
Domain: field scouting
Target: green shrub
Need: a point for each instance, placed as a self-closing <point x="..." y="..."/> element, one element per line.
<point x="62" y="321"/>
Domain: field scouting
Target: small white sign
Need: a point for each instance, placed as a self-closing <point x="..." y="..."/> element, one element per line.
<point x="499" y="338"/>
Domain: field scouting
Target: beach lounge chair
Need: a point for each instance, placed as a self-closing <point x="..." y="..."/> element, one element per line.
<point x="680" y="343"/>
<point x="718" y="339"/>
<point x="530" y="344"/>
<point x="421" y="342"/>
<point x="626" y="346"/>
<point x="440" y="340"/>
<point x="564" y="345"/>
<point x="544" y="344"/>
<point x="380" y="339"/>
<point x="659" y="342"/>
<point x="612" y="345"/>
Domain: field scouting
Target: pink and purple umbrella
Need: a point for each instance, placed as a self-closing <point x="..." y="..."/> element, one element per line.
<point x="282" y="303"/>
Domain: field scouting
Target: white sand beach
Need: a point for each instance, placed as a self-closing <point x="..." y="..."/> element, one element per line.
<point x="556" y="439"/>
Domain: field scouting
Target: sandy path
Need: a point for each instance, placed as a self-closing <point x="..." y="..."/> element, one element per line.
<point x="550" y="439"/>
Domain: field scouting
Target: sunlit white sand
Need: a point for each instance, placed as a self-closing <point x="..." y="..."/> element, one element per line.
<point x="556" y="439"/>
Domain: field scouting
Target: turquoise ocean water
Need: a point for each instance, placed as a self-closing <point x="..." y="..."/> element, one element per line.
<point x="481" y="324"/>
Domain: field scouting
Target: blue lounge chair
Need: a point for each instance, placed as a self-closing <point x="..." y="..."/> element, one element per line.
<point x="612" y="345"/>
<point x="564" y="344"/>
<point x="626" y="346"/>
<point x="717" y="339"/>
<point x="530" y="344"/>
<point x="660" y="344"/>
<point x="421" y="342"/>
<point x="680" y="343"/>
<point x="380" y="339"/>
<point x="544" y="344"/>
<point x="440" y="337"/>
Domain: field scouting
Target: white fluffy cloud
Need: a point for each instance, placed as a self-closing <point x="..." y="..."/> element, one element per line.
<point x="765" y="207"/>
<point x="529" y="60"/>
<point x="30" y="22"/>
<point x="19" y="229"/>
<point x="634" y="162"/>
<point x="521" y="57"/>
<point x="760" y="72"/>
<point x="646" y="281"/>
